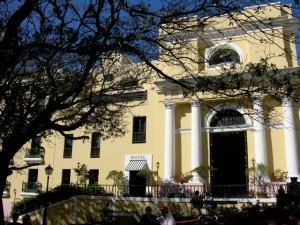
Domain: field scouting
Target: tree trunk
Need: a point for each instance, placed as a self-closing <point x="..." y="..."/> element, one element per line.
<point x="4" y="164"/>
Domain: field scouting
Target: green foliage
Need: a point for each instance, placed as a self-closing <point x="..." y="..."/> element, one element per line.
<point x="279" y="174"/>
<point x="147" y="174"/>
<point x="82" y="173"/>
<point x="182" y="177"/>
<point x="117" y="177"/>
<point x="57" y="194"/>
<point x="258" y="174"/>
<point x="176" y="210"/>
<point x="204" y="171"/>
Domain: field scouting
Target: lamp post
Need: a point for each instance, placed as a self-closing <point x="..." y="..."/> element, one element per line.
<point x="48" y="171"/>
<point x="78" y="169"/>
<point x="15" y="193"/>
<point x="157" y="167"/>
<point x="254" y="176"/>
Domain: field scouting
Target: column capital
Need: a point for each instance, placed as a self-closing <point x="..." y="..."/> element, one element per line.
<point x="170" y="105"/>
<point x="257" y="97"/>
<point x="287" y="101"/>
<point x="195" y="103"/>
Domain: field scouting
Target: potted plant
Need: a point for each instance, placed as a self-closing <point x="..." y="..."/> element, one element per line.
<point x="279" y="175"/>
<point x="182" y="177"/>
<point x="257" y="174"/>
<point x="149" y="176"/>
<point x="82" y="174"/>
<point x="118" y="178"/>
<point x="204" y="172"/>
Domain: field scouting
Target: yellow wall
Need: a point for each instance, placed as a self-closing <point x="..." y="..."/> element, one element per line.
<point x="114" y="150"/>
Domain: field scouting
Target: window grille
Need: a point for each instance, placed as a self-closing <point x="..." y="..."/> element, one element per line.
<point x="227" y="118"/>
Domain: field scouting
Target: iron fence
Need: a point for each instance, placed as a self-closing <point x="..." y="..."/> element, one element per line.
<point x="171" y="190"/>
<point x="31" y="187"/>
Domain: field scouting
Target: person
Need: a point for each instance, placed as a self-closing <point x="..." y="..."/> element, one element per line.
<point x="15" y="218"/>
<point x="197" y="201"/>
<point x="197" y="197"/>
<point x="166" y="218"/>
<point x="280" y="197"/>
<point x="106" y="209"/>
<point x="148" y="218"/>
<point x="208" y="202"/>
<point x="26" y="220"/>
<point x="182" y="190"/>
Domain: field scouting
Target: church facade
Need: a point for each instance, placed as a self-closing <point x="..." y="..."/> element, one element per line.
<point x="171" y="133"/>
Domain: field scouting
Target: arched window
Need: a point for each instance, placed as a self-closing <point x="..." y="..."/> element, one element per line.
<point x="227" y="118"/>
<point x="129" y="81"/>
<point x="224" y="56"/>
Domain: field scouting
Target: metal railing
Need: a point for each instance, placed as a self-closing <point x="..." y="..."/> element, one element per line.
<point x="31" y="187"/>
<point x="34" y="153"/>
<point x="68" y="153"/>
<point x="139" y="137"/>
<point x="171" y="190"/>
<point x="95" y="152"/>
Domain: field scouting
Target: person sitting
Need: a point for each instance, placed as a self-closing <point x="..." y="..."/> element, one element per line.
<point x="197" y="201"/>
<point x="208" y="202"/>
<point x="148" y="218"/>
<point x="106" y="212"/>
<point x="166" y="218"/>
<point x="26" y="220"/>
<point x="15" y="218"/>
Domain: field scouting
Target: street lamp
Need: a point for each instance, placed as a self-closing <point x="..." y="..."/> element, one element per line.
<point x="157" y="167"/>
<point x="15" y="193"/>
<point x="78" y="167"/>
<point x="254" y="176"/>
<point x="48" y="171"/>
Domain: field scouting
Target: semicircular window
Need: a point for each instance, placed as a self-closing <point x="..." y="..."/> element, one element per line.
<point x="128" y="81"/>
<point x="224" y="56"/>
<point x="227" y="118"/>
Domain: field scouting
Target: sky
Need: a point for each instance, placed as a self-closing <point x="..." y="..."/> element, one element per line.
<point x="156" y="4"/>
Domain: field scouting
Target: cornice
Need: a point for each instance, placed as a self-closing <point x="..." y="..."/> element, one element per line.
<point x="245" y="28"/>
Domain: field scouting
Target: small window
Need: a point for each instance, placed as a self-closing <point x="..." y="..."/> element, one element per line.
<point x="32" y="179"/>
<point x="68" y="146"/>
<point x="139" y="130"/>
<point x="224" y="56"/>
<point x="93" y="176"/>
<point x="129" y="81"/>
<point x="108" y="77"/>
<point x="35" y="147"/>
<point x="95" y="145"/>
<point x="66" y="177"/>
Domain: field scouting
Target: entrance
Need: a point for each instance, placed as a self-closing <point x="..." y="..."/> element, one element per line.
<point x="137" y="184"/>
<point x="228" y="156"/>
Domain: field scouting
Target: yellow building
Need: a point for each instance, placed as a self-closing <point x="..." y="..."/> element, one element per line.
<point x="183" y="133"/>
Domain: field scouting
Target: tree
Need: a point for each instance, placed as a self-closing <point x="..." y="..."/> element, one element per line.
<point x="204" y="172"/>
<point x="118" y="178"/>
<point x="257" y="174"/>
<point x="82" y="173"/>
<point x="56" y="58"/>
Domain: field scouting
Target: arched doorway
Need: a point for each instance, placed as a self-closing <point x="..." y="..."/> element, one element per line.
<point x="228" y="154"/>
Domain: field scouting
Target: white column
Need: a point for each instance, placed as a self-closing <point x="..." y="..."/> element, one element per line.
<point x="291" y="146"/>
<point x="169" y="140"/>
<point x="196" y="151"/>
<point x="259" y="129"/>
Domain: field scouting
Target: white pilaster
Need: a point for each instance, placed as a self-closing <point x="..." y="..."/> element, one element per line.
<point x="169" y="140"/>
<point x="259" y="129"/>
<point x="196" y="151"/>
<point x="291" y="146"/>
